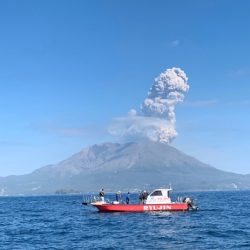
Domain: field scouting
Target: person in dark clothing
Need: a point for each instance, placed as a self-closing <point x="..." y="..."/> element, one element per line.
<point x="141" y="197"/>
<point x="145" y="196"/>
<point x="127" y="198"/>
<point x="118" y="196"/>
<point x="101" y="194"/>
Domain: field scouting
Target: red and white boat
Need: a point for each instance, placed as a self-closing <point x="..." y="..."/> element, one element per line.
<point x="158" y="200"/>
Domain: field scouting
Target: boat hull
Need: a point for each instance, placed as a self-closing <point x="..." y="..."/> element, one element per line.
<point x="141" y="207"/>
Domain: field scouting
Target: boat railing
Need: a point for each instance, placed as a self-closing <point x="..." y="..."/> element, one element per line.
<point x="89" y="198"/>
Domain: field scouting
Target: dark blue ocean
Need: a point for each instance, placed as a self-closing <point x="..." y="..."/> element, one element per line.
<point x="61" y="222"/>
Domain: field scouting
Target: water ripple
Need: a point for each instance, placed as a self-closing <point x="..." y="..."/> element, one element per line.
<point x="60" y="222"/>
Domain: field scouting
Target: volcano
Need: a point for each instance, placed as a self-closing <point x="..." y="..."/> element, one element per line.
<point x="129" y="166"/>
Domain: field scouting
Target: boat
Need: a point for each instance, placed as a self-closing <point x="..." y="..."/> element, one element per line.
<point x="157" y="200"/>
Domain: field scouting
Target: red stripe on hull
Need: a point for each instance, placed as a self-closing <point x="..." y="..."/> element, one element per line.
<point x="141" y="207"/>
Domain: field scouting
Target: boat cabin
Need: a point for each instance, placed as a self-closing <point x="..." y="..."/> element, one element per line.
<point x="159" y="196"/>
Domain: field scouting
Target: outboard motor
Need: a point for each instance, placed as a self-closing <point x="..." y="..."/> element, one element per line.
<point x="191" y="203"/>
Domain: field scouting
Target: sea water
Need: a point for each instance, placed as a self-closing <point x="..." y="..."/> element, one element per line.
<point x="61" y="222"/>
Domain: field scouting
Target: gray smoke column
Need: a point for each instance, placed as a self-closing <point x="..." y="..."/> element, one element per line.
<point x="168" y="90"/>
<point x="156" y="119"/>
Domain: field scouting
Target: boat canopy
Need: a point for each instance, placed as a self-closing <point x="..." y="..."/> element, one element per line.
<point x="159" y="196"/>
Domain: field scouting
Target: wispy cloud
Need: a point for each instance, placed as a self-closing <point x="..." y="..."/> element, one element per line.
<point x="175" y="43"/>
<point x="240" y="72"/>
<point x="200" y="103"/>
<point x="245" y="102"/>
<point x="242" y="103"/>
<point x="10" y="143"/>
<point x="134" y="128"/>
<point x="71" y="131"/>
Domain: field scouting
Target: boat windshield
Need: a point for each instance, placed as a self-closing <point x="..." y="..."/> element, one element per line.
<point x="156" y="193"/>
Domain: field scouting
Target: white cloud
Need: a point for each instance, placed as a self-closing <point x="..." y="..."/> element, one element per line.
<point x="175" y="43"/>
<point x="132" y="128"/>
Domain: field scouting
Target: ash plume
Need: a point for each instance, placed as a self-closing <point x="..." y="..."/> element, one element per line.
<point x="156" y="118"/>
<point x="168" y="90"/>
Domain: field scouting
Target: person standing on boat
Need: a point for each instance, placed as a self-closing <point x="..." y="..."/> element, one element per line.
<point x="141" y="198"/>
<point x="145" y="196"/>
<point x="127" y="198"/>
<point x="118" y="196"/>
<point x="101" y="194"/>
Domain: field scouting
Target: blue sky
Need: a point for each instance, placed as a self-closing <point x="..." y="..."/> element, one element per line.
<point x="67" y="68"/>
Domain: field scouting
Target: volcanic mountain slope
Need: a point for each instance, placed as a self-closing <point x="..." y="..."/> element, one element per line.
<point x="124" y="166"/>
